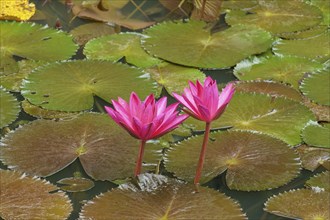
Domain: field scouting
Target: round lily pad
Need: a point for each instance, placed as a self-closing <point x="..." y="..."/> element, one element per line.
<point x="322" y="112"/>
<point x="174" y="77"/>
<point x="316" y="135"/>
<point x="312" y="157"/>
<point x="116" y="46"/>
<point x="9" y="108"/>
<point x="320" y="181"/>
<point x="268" y="87"/>
<point x="316" y="86"/>
<point x="279" y="117"/>
<point x="75" y="184"/>
<point x="32" y="41"/>
<point x="172" y="41"/>
<point x="277" y="16"/>
<point x="300" y="204"/>
<point x="253" y="161"/>
<point x="105" y="150"/>
<point x="282" y="69"/>
<point x="315" y="48"/>
<point x="24" y="197"/>
<point x="161" y="199"/>
<point x="324" y="6"/>
<point x="70" y="86"/>
<point x="83" y="33"/>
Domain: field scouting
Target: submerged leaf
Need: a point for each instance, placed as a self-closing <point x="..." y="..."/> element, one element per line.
<point x="19" y="10"/>
<point x="24" y="197"/>
<point x="300" y="204"/>
<point x="116" y="46"/>
<point x="70" y="86"/>
<point x="76" y="184"/>
<point x="316" y="135"/>
<point x="172" y="41"/>
<point x="105" y="150"/>
<point x="161" y="198"/>
<point x="252" y="161"/>
<point x="9" y="108"/>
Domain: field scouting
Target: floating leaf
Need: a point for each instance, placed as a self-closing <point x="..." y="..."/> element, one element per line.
<point x="41" y="44"/>
<point x="268" y="87"/>
<point x="174" y="77"/>
<point x="321" y="180"/>
<point x="313" y="32"/>
<point x="112" y="15"/>
<point x="300" y="204"/>
<point x="315" y="48"/>
<point x="9" y="108"/>
<point x="324" y="6"/>
<point x="104" y="149"/>
<point x="19" y="10"/>
<point x="83" y="33"/>
<point x="316" y="86"/>
<point x="279" y="117"/>
<point x="161" y="198"/>
<point x="70" y="86"/>
<point x="277" y="17"/>
<point x="282" y="69"/>
<point x="322" y="112"/>
<point x="312" y="157"/>
<point x="76" y="184"/>
<point x="253" y="161"/>
<point x="316" y="135"/>
<point x="239" y="4"/>
<point x="24" y="197"/>
<point x="116" y="46"/>
<point x="219" y="50"/>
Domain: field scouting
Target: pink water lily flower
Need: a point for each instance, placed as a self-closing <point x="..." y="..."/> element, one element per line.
<point x="145" y="120"/>
<point x="205" y="103"/>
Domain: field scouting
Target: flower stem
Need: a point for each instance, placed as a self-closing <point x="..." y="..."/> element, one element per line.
<point x="139" y="159"/>
<point x="202" y="154"/>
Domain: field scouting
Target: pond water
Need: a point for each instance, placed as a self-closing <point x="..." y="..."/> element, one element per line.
<point x="252" y="203"/>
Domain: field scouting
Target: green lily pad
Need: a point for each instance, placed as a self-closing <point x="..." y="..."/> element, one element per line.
<point x="9" y="108"/>
<point x="105" y="150"/>
<point x="278" y="17"/>
<point x="172" y="41"/>
<point x="83" y="33"/>
<point x="312" y="32"/>
<point x="76" y="184"/>
<point x="32" y="41"/>
<point x="116" y="46"/>
<point x="316" y="135"/>
<point x="174" y="77"/>
<point x="282" y="69"/>
<point x="324" y="6"/>
<point x="300" y="204"/>
<point x="312" y="157"/>
<point x="161" y="198"/>
<point x="24" y="197"/>
<point x="315" y="48"/>
<point x="70" y="86"/>
<point x="279" y="117"/>
<point x="321" y="180"/>
<point x="316" y="87"/>
<point x="268" y="87"/>
<point x="238" y="5"/>
<point x="236" y="153"/>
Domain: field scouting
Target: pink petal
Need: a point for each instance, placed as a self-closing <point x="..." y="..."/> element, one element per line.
<point x="134" y="104"/>
<point x="208" y="81"/>
<point x="149" y="100"/>
<point x="119" y="108"/>
<point x="169" y="126"/>
<point x="226" y="95"/>
<point x="205" y="113"/>
<point x="192" y="88"/>
<point x="161" y="105"/>
<point x="112" y="113"/>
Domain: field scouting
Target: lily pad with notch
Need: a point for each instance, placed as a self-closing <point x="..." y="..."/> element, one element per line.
<point x="252" y="161"/>
<point x="116" y="46"/>
<point x="285" y="69"/>
<point x="70" y="86"/>
<point x="9" y="108"/>
<point x="205" y="50"/>
<point x="104" y="149"/>
<point x="25" y="197"/>
<point x="277" y="116"/>
<point x="157" y="197"/>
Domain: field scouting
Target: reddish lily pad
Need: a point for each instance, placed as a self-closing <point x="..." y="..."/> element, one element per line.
<point x="252" y="161"/>
<point x="312" y="157"/>
<point x="105" y="150"/>
<point x="321" y="181"/>
<point x="300" y="204"/>
<point x="161" y="198"/>
<point x="76" y="184"/>
<point x="24" y="197"/>
<point x="320" y="111"/>
<point x="268" y="87"/>
<point x="279" y="117"/>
